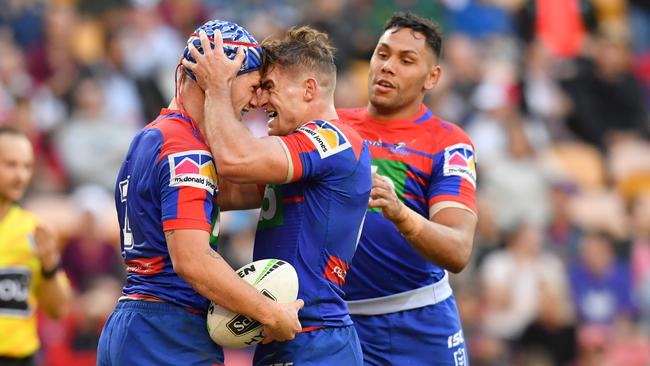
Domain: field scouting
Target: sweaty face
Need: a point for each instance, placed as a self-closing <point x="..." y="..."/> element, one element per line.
<point x="400" y="69"/>
<point x="244" y="89"/>
<point x="16" y="163"/>
<point x="282" y="98"/>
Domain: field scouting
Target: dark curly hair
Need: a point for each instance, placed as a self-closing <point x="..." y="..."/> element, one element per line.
<point x="430" y="29"/>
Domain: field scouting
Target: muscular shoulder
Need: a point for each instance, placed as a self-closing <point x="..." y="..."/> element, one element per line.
<point x="350" y="116"/>
<point x="330" y="138"/>
<point x="445" y="134"/>
<point x="176" y="136"/>
<point x="350" y="134"/>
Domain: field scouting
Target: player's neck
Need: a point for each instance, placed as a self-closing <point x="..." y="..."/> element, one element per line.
<point x="323" y="111"/>
<point x="395" y="114"/>
<point x="190" y="102"/>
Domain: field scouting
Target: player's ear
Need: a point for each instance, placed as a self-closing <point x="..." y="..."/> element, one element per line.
<point x="311" y="89"/>
<point x="432" y="77"/>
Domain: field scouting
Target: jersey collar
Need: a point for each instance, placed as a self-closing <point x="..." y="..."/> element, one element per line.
<point x="178" y="114"/>
<point x="423" y="114"/>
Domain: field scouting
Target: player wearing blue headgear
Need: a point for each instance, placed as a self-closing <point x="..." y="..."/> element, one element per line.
<point x="164" y="199"/>
<point x="317" y="176"/>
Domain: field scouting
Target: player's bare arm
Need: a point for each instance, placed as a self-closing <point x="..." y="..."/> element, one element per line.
<point x="235" y="196"/>
<point x="239" y="156"/>
<point x="446" y="239"/>
<point x="211" y="276"/>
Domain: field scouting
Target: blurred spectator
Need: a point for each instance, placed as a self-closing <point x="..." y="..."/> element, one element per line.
<point x="629" y="174"/>
<point x="563" y="233"/>
<point x="24" y="18"/>
<point x="92" y="144"/>
<point x="512" y="279"/>
<point x="600" y="281"/>
<point x="324" y="15"/>
<point x="89" y="254"/>
<point x="479" y="19"/>
<point x="183" y="15"/>
<point x="622" y="345"/>
<point x="629" y="346"/>
<point x="542" y="95"/>
<point x="76" y="341"/>
<point x="559" y="25"/>
<point x="52" y="60"/>
<point x="150" y="52"/>
<point x="607" y="98"/>
<point x="15" y="81"/>
<point x="640" y="256"/>
<point x="513" y="181"/>
<point x="122" y="95"/>
<point x="463" y="72"/>
<point x="553" y="331"/>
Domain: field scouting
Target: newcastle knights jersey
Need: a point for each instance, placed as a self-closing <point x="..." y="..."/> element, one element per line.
<point x="313" y="221"/>
<point x="432" y="166"/>
<point x="166" y="182"/>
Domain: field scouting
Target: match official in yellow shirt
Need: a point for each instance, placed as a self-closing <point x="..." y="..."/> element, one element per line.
<point x="30" y="261"/>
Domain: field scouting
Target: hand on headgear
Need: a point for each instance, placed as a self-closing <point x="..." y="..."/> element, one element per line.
<point x="234" y="37"/>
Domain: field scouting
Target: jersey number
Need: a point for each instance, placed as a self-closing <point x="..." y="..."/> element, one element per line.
<point x="271" y="213"/>
<point x="126" y="231"/>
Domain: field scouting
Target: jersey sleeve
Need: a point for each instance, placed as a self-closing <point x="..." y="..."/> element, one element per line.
<point x="319" y="150"/>
<point x="453" y="181"/>
<point x="188" y="181"/>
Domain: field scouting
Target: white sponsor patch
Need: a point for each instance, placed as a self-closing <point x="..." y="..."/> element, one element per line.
<point x="193" y="168"/>
<point x="327" y="138"/>
<point x="460" y="161"/>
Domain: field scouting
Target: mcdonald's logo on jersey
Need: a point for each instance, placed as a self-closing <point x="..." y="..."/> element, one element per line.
<point x="193" y="168"/>
<point x="460" y="161"/>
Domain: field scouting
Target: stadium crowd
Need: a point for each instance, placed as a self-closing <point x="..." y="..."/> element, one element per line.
<point x="554" y="93"/>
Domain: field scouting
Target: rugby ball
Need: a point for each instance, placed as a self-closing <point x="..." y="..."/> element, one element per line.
<point x="275" y="279"/>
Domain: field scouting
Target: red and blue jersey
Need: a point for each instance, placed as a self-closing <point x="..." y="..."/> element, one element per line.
<point x="166" y="182"/>
<point x="314" y="220"/>
<point x="431" y="163"/>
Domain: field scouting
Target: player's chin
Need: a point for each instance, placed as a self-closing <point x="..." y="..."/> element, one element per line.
<point x="383" y="101"/>
<point x="16" y="193"/>
<point x="273" y="131"/>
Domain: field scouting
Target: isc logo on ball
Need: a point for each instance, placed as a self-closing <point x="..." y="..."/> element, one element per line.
<point x="275" y="279"/>
<point x="242" y="324"/>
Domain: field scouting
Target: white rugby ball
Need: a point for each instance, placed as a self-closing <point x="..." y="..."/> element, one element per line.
<point x="274" y="278"/>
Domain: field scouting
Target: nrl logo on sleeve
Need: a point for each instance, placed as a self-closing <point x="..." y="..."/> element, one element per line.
<point x="327" y="138"/>
<point x="193" y="169"/>
<point x="460" y="161"/>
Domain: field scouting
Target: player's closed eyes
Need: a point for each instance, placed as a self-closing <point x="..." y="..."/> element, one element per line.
<point x="267" y="85"/>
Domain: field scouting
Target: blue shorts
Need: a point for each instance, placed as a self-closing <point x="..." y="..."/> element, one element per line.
<point x="322" y="347"/>
<point x="423" y="336"/>
<point x="156" y="333"/>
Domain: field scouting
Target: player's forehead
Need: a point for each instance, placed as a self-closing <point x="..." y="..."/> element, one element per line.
<point x="15" y="147"/>
<point x="273" y="75"/>
<point x="404" y="40"/>
<point x="252" y="78"/>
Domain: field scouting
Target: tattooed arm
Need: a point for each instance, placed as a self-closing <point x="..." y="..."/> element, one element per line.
<point x="209" y="274"/>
